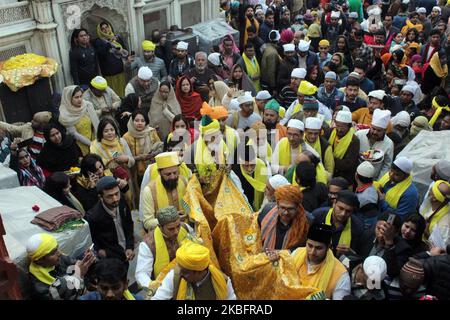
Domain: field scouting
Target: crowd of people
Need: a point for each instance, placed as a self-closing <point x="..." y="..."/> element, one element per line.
<point x="306" y="111"/>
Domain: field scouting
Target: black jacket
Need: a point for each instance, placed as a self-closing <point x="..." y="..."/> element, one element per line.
<point x="437" y="276"/>
<point x="103" y="230"/>
<point x="110" y="65"/>
<point x="395" y="257"/>
<point x="284" y="72"/>
<point x="83" y="64"/>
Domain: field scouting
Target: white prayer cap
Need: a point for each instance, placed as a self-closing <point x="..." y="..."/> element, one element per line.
<point x="145" y="73"/>
<point x="405" y="1"/>
<point x="277" y="181"/>
<point x="234" y="105"/>
<point x="298" y="73"/>
<point x="297" y="124"/>
<point x="377" y="94"/>
<point x="345" y="108"/>
<point x="421" y="10"/>
<point x="335" y="14"/>
<point x="331" y="75"/>
<point x="437" y="8"/>
<point x="375" y="268"/>
<point x="402" y="118"/>
<point x="259" y="10"/>
<point x="274" y="35"/>
<point x="214" y="58"/>
<point x="182" y="45"/>
<point x="353" y="15"/>
<point x="245" y="98"/>
<point x="313" y="123"/>
<point x="404" y="164"/>
<point x="344" y="116"/>
<point x="304" y="45"/>
<point x="381" y="118"/>
<point x="409" y="88"/>
<point x="289" y="47"/>
<point x="263" y="95"/>
<point x="366" y="169"/>
<point x="397" y="47"/>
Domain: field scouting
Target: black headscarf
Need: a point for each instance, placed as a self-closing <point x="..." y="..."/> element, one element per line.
<point x="58" y="157"/>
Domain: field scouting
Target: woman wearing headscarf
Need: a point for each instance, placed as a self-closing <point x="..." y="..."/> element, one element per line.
<point x="28" y="172"/>
<point x="60" y="151"/>
<point x="163" y="109"/>
<point x="219" y="90"/>
<point x="111" y="51"/>
<point x="229" y="52"/>
<point x="240" y="81"/>
<point x="340" y="68"/>
<point x="189" y="100"/>
<point x="420" y="123"/>
<point x="130" y="104"/>
<point x="435" y="72"/>
<point x="144" y="143"/>
<point x="78" y="117"/>
<point x="58" y="187"/>
<point x="49" y="270"/>
<point x="412" y="231"/>
<point x="341" y="46"/>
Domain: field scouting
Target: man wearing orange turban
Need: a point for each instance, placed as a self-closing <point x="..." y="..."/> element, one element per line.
<point x="284" y="225"/>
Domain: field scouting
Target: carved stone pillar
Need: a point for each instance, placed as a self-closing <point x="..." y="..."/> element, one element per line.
<point x="140" y="31"/>
<point x="47" y="29"/>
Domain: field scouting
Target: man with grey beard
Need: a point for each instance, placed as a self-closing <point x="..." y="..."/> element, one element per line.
<point x="201" y="74"/>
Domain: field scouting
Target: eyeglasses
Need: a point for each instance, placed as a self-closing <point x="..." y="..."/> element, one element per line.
<point x="323" y="48"/>
<point x="290" y="210"/>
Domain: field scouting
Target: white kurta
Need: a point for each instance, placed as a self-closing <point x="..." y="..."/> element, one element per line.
<point x="440" y="234"/>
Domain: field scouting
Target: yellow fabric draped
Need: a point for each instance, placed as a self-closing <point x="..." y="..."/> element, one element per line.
<point x="162" y="258"/>
<point x="297" y="108"/>
<point x="206" y="164"/>
<point x="438" y="216"/>
<point x="161" y="193"/>
<point x="284" y="152"/>
<point x="185" y="291"/>
<point x="321" y="175"/>
<point x="183" y="168"/>
<point x="231" y="138"/>
<point x="346" y="234"/>
<point x="340" y="146"/>
<point x="42" y="273"/>
<point x="440" y="71"/>
<point x="258" y="182"/>
<point x="438" y="111"/>
<point x="323" y="272"/>
<point x="394" y="194"/>
<point x="128" y="296"/>
<point x="316" y="146"/>
<point x="108" y="36"/>
<point x="253" y="70"/>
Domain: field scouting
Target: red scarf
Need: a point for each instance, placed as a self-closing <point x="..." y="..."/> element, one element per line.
<point x="190" y="103"/>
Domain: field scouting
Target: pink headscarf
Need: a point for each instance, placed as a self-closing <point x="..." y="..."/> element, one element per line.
<point x="415" y="58"/>
<point x="286" y="36"/>
<point x="228" y="37"/>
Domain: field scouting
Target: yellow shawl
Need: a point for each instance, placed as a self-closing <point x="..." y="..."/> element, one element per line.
<point x="107" y="149"/>
<point x="206" y="164"/>
<point x="42" y="273"/>
<point x="438" y="111"/>
<point x="394" y="194"/>
<point x="162" y="258"/>
<point x="128" y="296"/>
<point x="346" y="235"/>
<point x="340" y="146"/>
<point x="107" y="36"/>
<point x="321" y="175"/>
<point x="253" y="70"/>
<point x="258" y="182"/>
<point x="161" y="194"/>
<point x="440" y="71"/>
<point x="186" y="292"/>
<point x="284" y="152"/>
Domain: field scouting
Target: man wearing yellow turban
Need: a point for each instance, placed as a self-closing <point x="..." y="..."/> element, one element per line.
<point x="102" y="97"/>
<point x="149" y="59"/>
<point x="195" y="277"/>
<point x="165" y="190"/>
<point x="49" y="270"/>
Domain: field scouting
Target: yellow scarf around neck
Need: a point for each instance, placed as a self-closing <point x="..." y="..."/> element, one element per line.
<point x="321" y="175"/>
<point x="162" y="258"/>
<point x="284" y="152"/>
<point x="316" y="146"/>
<point x="161" y="194"/>
<point x="42" y="273"/>
<point x="186" y="292"/>
<point x="323" y="272"/>
<point x="253" y="70"/>
<point x="258" y="182"/>
<point x="205" y="163"/>
<point x="435" y="64"/>
<point x="341" y="145"/>
<point x="394" y="194"/>
<point x="128" y="296"/>
<point x="438" y="112"/>
<point x="346" y="234"/>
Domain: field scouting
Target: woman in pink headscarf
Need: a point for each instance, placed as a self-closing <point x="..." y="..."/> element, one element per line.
<point x="287" y="36"/>
<point x="229" y="53"/>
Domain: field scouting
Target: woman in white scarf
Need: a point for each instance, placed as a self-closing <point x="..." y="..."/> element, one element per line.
<point x="418" y="95"/>
<point x="78" y="116"/>
<point x="163" y="109"/>
<point x="216" y="95"/>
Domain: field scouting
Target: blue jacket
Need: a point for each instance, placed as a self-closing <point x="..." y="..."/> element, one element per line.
<point x="407" y="204"/>
<point x="366" y="85"/>
<point x="95" y="295"/>
<point x="329" y="100"/>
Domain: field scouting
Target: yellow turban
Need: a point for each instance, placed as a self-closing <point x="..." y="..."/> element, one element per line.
<point x="148" y="45"/>
<point x="307" y="88"/>
<point x="40" y="245"/>
<point x="437" y="193"/>
<point x="324" y="43"/>
<point x="193" y="256"/>
<point x="208" y="125"/>
<point x="167" y="160"/>
<point x="99" y="83"/>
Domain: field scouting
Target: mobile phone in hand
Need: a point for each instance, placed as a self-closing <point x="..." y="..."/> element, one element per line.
<point x="391" y="218"/>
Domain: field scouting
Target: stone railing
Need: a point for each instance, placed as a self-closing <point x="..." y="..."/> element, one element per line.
<point x="15" y="13"/>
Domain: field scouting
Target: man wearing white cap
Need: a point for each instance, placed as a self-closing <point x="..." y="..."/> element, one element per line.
<point x="102" y="97"/>
<point x="405" y="101"/>
<point x="289" y="92"/>
<point x="345" y="146"/>
<point x="200" y="74"/>
<point x="270" y="62"/>
<point x="244" y="118"/>
<point x="182" y="62"/>
<point x="352" y="21"/>
<point x="396" y="189"/>
<point x="215" y="64"/>
<point x="332" y="30"/>
<point x="424" y="21"/>
<point x="273" y="184"/>
<point x="313" y="129"/>
<point x="262" y="97"/>
<point x="250" y="65"/>
<point x="366" y="276"/>
<point x="144" y="85"/>
<point x="306" y="57"/>
<point x="400" y="131"/>
<point x="287" y="149"/>
<point x="367" y="194"/>
<point x="375" y="138"/>
<point x="327" y="93"/>
<point x="364" y="115"/>
<point x="288" y="64"/>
